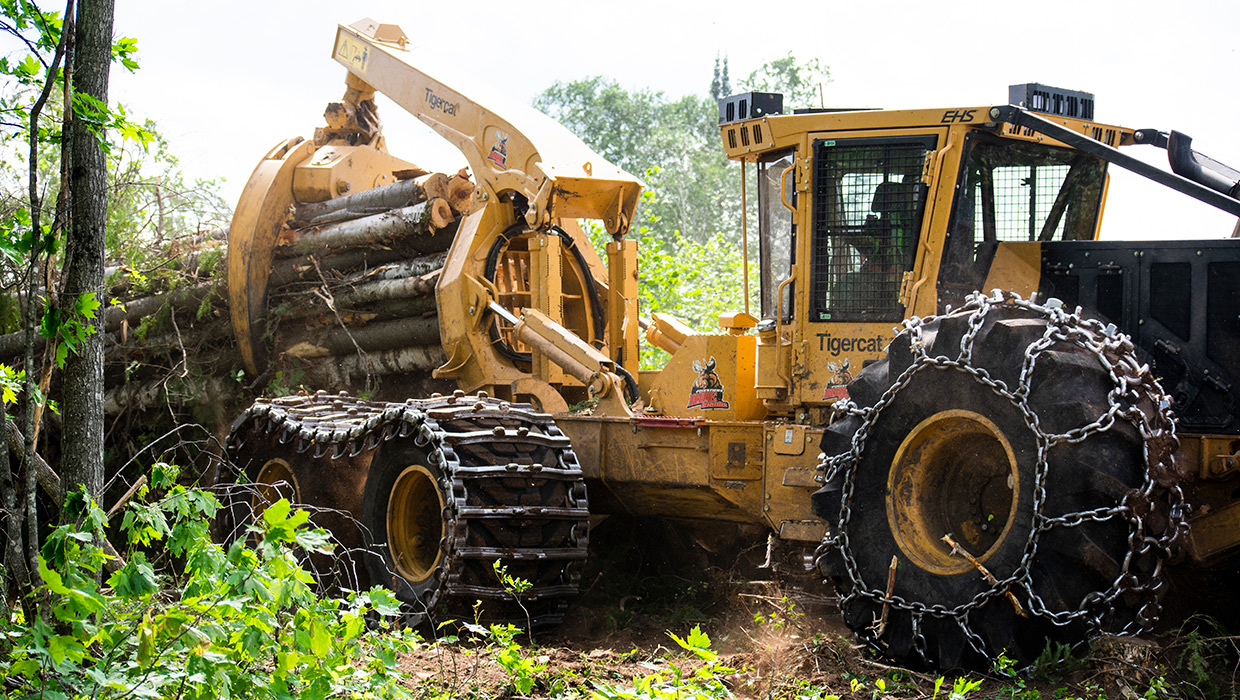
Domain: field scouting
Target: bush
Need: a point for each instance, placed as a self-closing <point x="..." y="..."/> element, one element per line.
<point x="244" y="622"/>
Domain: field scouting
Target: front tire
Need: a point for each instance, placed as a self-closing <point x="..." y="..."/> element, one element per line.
<point x="1032" y="439"/>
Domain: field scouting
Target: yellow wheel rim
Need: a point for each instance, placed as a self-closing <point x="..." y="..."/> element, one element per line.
<point x="273" y="482"/>
<point x="415" y="523"/>
<point x="954" y="474"/>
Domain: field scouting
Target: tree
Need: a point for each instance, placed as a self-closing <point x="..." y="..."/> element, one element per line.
<point x="720" y="85"/>
<point x="690" y="222"/>
<point x="802" y="83"/>
<point x="40" y="82"/>
<point x="38" y="72"/>
<point x="673" y="145"/>
<point x="82" y="405"/>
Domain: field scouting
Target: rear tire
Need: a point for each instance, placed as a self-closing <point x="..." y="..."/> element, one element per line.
<point x="1020" y="444"/>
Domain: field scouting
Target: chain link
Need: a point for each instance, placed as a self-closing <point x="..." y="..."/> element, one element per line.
<point x="1135" y="398"/>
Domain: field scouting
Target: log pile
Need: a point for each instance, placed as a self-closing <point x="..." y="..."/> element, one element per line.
<point x="351" y="306"/>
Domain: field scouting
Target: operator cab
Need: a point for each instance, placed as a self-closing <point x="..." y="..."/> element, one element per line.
<point x="868" y="217"/>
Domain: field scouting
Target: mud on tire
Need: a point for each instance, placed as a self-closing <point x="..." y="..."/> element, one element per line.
<point x="1037" y="443"/>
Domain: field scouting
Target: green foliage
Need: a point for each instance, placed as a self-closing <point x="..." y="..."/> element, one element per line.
<point x="521" y="669"/>
<point x="69" y="327"/>
<point x="689" y="222"/>
<point x="672" y="143"/>
<point x="241" y="622"/>
<point x="155" y="214"/>
<point x="704" y="679"/>
<point x="694" y="281"/>
<point x="283" y="384"/>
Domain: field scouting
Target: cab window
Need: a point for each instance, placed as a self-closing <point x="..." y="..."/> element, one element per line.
<point x="776" y="232"/>
<point x="1014" y="191"/>
<point x="868" y="204"/>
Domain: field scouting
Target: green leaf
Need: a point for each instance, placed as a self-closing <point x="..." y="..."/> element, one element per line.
<point x="314" y="540"/>
<point x="320" y="641"/>
<point x="136" y="579"/>
<point x="52" y="580"/>
<point x="86" y="305"/>
<point x="63" y="647"/>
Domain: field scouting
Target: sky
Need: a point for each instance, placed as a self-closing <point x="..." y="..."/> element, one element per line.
<point x="227" y="80"/>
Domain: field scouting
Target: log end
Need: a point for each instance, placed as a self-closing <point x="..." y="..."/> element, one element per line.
<point x="441" y="214"/>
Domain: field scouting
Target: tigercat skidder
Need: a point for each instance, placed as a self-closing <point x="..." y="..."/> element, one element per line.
<point x="1050" y="429"/>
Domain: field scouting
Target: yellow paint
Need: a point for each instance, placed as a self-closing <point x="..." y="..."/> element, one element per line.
<point x="256" y="225"/>
<point x="1017" y="267"/>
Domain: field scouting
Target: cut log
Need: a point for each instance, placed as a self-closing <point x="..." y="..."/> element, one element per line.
<point x="410" y="360"/>
<point x="371" y="337"/>
<point x="286" y="272"/>
<point x="385" y="290"/>
<point x="354" y="206"/>
<point x="134" y="311"/>
<point x="460" y="193"/>
<point x="413" y="226"/>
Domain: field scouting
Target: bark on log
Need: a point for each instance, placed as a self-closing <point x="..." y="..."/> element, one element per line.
<point x="353" y="206"/>
<point x="411" y="225"/>
<point x="136" y="396"/>
<point x="371" y="338"/>
<point x="396" y="308"/>
<point x="408" y="360"/>
<point x="48" y="479"/>
<point x="138" y="309"/>
<point x="386" y="290"/>
<point x="134" y="311"/>
<point x="286" y="272"/>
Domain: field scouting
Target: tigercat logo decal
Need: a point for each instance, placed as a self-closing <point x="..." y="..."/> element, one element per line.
<point x="707" y="391"/>
<point x="837" y="385"/>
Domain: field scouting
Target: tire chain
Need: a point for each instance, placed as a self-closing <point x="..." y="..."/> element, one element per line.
<point x="344" y="426"/>
<point x="1133" y="387"/>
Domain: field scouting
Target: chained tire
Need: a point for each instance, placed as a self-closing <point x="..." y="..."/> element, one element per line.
<point x="428" y="495"/>
<point x="1001" y="481"/>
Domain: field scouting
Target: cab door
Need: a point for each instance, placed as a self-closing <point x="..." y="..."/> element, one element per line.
<point x="867" y="204"/>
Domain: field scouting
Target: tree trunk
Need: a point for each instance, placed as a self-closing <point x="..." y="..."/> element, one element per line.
<point x="82" y="402"/>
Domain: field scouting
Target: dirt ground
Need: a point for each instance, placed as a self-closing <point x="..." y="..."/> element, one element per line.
<point x="778" y="635"/>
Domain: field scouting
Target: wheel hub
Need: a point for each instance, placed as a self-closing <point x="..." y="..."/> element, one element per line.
<point x="415" y="523"/>
<point x="954" y="474"/>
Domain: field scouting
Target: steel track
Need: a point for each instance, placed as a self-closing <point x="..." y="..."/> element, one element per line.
<point x="511" y="485"/>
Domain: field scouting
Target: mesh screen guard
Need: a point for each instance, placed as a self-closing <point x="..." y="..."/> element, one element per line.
<point x="868" y="204"/>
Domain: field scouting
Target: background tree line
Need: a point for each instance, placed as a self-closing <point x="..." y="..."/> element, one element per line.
<point x="689" y="223"/>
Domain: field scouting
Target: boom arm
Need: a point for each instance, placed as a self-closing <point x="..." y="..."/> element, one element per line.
<point x="525" y="153"/>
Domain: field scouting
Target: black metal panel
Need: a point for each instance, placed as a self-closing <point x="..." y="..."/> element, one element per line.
<point x="1052" y="100"/>
<point x="749" y="105"/>
<point x="1179" y="300"/>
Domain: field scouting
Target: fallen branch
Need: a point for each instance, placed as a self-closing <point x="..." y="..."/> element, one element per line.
<point x="880" y="625"/>
<point x="990" y="578"/>
<point x="128" y="495"/>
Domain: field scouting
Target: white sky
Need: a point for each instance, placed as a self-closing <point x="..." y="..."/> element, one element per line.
<point x="227" y="80"/>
